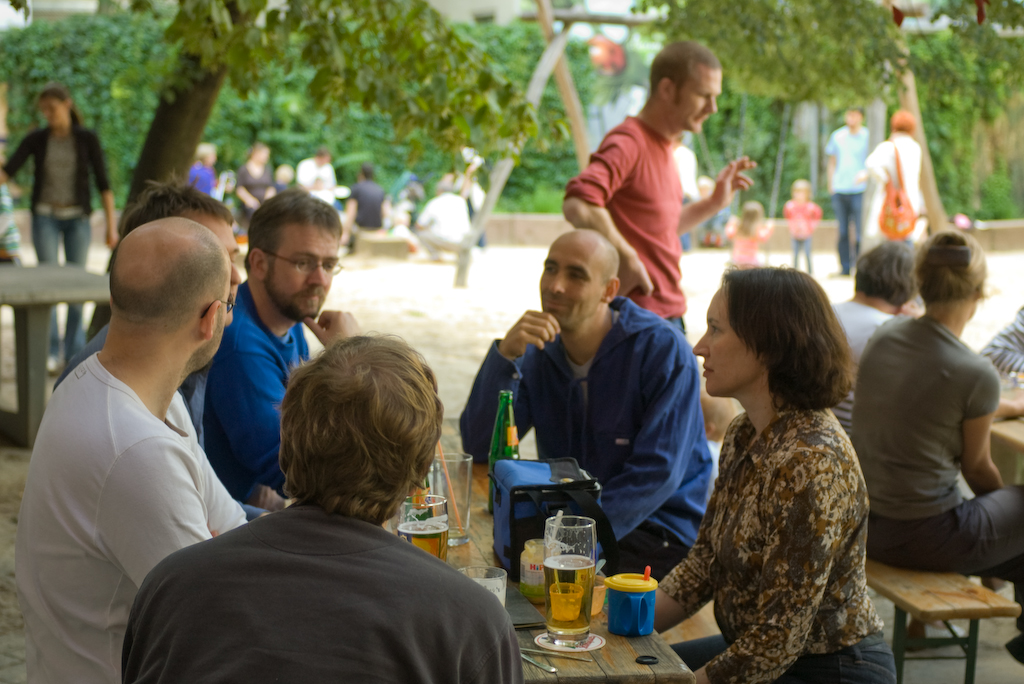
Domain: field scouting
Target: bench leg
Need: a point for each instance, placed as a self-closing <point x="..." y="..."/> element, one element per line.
<point x="972" y="652"/>
<point x="899" y="642"/>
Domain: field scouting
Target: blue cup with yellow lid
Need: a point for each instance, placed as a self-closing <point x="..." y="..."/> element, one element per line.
<point x="631" y="603"/>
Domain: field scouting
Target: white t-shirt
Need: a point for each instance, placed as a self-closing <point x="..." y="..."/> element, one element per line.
<point x="308" y="172"/>
<point x="446" y="216"/>
<point x="111" y="491"/>
<point x="860" y="322"/>
<point x="882" y="164"/>
<point x="686" y="162"/>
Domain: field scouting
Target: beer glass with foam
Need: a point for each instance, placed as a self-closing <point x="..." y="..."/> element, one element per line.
<point x="570" y="554"/>
<point x="423" y="520"/>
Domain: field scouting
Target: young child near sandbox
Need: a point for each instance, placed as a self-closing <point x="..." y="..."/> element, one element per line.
<point x="803" y="216"/>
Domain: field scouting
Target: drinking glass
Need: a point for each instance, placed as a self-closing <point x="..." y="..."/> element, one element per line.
<point x="570" y="554"/>
<point x="423" y="520"/>
<point x="452" y="478"/>
<point x="493" y="580"/>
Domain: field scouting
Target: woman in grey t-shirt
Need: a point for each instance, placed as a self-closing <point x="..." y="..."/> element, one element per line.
<point x="922" y="415"/>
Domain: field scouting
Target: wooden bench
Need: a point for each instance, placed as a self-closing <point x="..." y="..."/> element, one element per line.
<point x="380" y="244"/>
<point x="930" y="596"/>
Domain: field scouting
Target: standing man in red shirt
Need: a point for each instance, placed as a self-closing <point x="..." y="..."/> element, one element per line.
<point x="631" y="192"/>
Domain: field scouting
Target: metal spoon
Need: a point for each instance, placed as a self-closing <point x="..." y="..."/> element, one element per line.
<point x="546" y="668"/>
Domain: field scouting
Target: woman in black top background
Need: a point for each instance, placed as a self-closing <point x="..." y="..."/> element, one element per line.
<point x="63" y="153"/>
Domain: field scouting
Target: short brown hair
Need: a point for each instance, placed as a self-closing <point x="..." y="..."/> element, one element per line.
<point x="950" y="267"/>
<point x="676" y="62"/>
<point x="785" y="318"/>
<point x="358" y="427"/>
<point x="294" y="206"/>
<point x="903" y="121"/>
<point x="173" y="198"/>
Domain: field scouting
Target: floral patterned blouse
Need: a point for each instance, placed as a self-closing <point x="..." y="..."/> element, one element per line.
<point x="781" y="548"/>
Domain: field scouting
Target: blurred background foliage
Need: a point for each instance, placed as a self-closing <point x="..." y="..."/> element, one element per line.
<point x="969" y="81"/>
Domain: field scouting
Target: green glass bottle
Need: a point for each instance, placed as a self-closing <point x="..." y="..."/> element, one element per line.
<point x="504" y="441"/>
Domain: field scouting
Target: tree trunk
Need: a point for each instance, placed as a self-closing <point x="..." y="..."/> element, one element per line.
<point x="937" y="218"/>
<point x="171" y="142"/>
<point x="178" y="124"/>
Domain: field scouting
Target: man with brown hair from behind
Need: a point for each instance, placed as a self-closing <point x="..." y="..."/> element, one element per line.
<point x="336" y="597"/>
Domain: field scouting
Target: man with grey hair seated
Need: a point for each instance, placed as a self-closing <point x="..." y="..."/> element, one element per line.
<point x="444" y="221"/>
<point x="117" y="480"/>
<point x="321" y="592"/>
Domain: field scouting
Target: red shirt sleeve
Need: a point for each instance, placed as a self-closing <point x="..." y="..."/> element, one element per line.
<point x="608" y="170"/>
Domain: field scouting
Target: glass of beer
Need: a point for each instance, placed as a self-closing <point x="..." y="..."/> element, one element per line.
<point x="570" y="554"/>
<point x="423" y="520"/>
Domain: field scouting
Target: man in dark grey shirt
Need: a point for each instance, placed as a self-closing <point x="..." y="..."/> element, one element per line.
<point x="320" y="592"/>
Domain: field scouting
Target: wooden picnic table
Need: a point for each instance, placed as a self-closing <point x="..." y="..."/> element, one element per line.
<point x="32" y="293"/>
<point x="615" y="662"/>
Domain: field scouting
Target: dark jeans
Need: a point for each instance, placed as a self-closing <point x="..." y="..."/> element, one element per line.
<point x="805" y="247"/>
<point x="848" y="207"/>
<point x="868" y="662"/>
<point x="651" y="544"/>
<point x="982" y="536"/>
<point x="47" y="232"/>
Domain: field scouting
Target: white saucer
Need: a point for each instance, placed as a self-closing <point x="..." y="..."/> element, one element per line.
<point x="592" y="643"/>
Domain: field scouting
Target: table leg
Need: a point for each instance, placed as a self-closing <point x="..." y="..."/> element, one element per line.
<point x="31" y="335"/>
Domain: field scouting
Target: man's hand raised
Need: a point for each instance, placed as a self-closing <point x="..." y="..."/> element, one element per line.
<point x="730" y="179"/>
<point x="633" y="275"/>
<point x="535" y="327"/>
<point x="332" y="325"/>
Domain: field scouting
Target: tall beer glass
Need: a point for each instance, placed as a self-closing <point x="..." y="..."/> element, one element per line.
<point x="570" y="554"/>
<point x="423" y="520"/>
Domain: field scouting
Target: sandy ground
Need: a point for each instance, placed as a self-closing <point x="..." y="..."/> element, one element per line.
<point x="453" y="329"/>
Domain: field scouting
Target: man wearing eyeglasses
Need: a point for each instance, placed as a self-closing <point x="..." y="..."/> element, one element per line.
<point x="117" y="480"/>
<point x="294" y="240"/>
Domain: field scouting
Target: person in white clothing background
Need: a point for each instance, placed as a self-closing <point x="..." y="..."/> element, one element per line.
<point x="444" y="221"/>
<point x="317" y="176"/>
<point x="117" y="480"/>
<point x="881" y="164"/>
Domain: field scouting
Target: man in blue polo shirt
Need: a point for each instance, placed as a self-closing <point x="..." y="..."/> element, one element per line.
<point x="613" y="386"/>
<point x="847" y="151"/>
<point x="294" y="240"/>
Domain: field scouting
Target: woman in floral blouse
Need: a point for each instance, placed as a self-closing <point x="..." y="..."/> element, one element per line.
<point x="781" y="548"/>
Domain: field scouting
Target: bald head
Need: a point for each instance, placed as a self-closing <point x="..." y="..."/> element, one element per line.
<point x="594" y="248"/>
<point x="166" y="272"/>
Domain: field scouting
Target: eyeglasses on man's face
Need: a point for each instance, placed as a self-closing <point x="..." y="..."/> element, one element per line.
<point x="229" y="304"/>
<point x="306" y="265"/>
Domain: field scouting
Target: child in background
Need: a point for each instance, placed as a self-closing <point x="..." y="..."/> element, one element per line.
<point x="803" y="216"/>
<point x="747" y="234"/>
<point x="202" y="176"/>
<point x="711" y="233"/>
<point x="718" y="413"/>
<point x="284" y="176"/>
